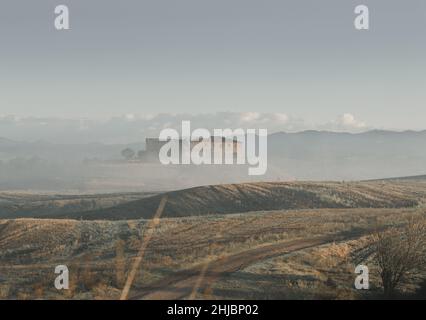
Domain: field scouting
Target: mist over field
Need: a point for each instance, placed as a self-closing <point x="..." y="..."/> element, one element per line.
<point x="307" y="155"/>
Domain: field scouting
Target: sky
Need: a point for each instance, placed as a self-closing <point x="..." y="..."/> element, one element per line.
<point x="301" y="61"/>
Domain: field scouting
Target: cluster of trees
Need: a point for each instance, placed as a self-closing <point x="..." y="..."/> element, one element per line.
<point x="130" y="154"/>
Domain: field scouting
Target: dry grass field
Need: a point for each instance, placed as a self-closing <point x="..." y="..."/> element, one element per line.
<point x="21" y="205"/>
<point x="302" y="252"/>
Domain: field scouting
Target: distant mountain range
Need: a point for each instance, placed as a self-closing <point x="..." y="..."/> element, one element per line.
<point x="331" y="144"/>
<point x="322" y="155"/>
<point x="300" y="144"/>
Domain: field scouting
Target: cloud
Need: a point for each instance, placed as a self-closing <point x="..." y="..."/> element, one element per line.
<point x="346" y="122"/>
<point x="135" y="128"/>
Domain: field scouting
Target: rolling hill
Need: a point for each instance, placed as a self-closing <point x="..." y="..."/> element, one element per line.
<point x="238" y="198"/>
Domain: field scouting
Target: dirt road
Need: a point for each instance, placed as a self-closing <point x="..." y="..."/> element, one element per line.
<point x="184" y="284"/>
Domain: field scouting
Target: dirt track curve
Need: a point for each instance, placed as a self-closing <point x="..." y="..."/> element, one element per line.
<point x="184" y="284"/>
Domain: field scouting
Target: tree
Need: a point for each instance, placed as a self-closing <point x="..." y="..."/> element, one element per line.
<point x="128" y="153"/>
<point x="399" y="252"/>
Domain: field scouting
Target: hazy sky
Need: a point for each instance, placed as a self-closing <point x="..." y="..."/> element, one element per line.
<point x="300" y="58"/>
